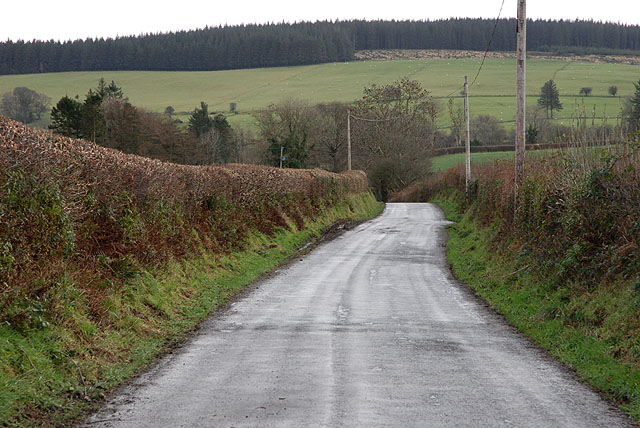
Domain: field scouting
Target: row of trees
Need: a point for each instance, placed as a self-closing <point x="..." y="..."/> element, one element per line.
<point x="393" y="131"/>
<point x="251" y="46"/>
<point x="216" y="48"/>
<point x="106" y="117"/>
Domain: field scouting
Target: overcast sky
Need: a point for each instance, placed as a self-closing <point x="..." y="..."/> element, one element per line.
<point x="80" y="19"/>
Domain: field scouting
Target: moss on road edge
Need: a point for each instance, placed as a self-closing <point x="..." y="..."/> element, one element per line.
<point x="158" y="310"/>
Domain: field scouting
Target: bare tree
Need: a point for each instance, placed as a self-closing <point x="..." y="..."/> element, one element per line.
<point x="487" y="130"/>
<point x="331" y="134"/>
<point x="537" y="119"/>
<point x="210" y="141"/>
<point x="24" y="104"/>
<point x="247" y="147"/>
<point x="122" y="123"/>
<point x="394" y="133"/>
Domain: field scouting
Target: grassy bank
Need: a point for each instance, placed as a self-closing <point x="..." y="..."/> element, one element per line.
<point x="59" y="369"/>
<point x="592" y="327"/>
<point x="107" y="258"/>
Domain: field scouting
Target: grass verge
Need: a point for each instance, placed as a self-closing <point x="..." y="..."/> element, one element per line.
<point x="582" y="325"/>
<point x="50" y="375"/>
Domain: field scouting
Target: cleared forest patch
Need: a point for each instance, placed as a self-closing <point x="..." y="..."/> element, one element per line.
<point x="417" y="54"/>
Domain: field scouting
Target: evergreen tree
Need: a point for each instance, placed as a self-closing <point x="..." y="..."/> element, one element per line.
<point x="226" y="149"/>
<point x="531" y="135"/>
<point x="228" y="47"/>
<point x="200" y="122"/>
<point x="93" y="126"/>
<point x="85" y="120"/>
<point x="295" y="150"/>
<point x="550" y="98"/>
<point x="66" y="117"/>
<point x="111" y="90"/>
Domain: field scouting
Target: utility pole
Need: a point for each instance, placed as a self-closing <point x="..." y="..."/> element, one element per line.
<point x="349" y="139"/>
<point x="467" y="143"/>
<point x="521" y="56"/>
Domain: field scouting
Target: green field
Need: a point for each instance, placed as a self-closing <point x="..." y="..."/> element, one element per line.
<point x="257" y="88"/>
<point x="444" y="162"/>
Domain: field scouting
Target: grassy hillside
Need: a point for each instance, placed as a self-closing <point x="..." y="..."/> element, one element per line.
<point x="256" y="88"/>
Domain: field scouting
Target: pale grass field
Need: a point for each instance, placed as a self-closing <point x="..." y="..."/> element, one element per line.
<point x="254" y="89"/>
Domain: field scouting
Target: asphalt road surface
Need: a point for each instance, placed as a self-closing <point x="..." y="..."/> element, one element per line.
<point x="368" y="330"/>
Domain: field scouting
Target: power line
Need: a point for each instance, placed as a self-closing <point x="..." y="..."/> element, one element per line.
<point x="484" y="57"/>
<point x="495" y="26"/>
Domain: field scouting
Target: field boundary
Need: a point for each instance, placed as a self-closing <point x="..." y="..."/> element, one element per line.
<point x="426" y="54"/>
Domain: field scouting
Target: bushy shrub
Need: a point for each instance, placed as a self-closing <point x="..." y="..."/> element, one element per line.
<point x="577" y="210"/>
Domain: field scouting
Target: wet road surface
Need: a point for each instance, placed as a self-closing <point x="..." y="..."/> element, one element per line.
<point x="368" y="330"/>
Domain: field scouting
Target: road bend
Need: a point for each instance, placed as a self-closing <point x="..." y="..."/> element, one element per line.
<point x="368" y="330"/>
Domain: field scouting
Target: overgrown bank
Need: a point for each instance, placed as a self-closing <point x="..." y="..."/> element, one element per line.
<point x="106" y="259"/>
<point x="564" y="267"/>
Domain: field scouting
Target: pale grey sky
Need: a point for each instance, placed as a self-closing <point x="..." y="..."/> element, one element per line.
<point x="79" y="19"/>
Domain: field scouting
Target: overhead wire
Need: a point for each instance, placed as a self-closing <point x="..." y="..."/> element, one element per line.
<point x="484" y="57"/>
<point x="493" y="33"/>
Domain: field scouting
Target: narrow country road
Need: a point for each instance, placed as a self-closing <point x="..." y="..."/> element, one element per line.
<point x="368" y="330"/>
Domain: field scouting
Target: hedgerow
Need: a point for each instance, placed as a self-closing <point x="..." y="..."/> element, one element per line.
<point x="70" y="207"/>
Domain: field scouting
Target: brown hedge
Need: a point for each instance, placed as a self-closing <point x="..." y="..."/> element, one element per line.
<point x="67" y="202"/>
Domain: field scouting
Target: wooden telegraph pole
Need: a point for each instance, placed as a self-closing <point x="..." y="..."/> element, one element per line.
<point x="521" y="56"/>
<point x="467" y="143"/>
<point x="349" y="139"/>
<point x="281" y="155"/>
